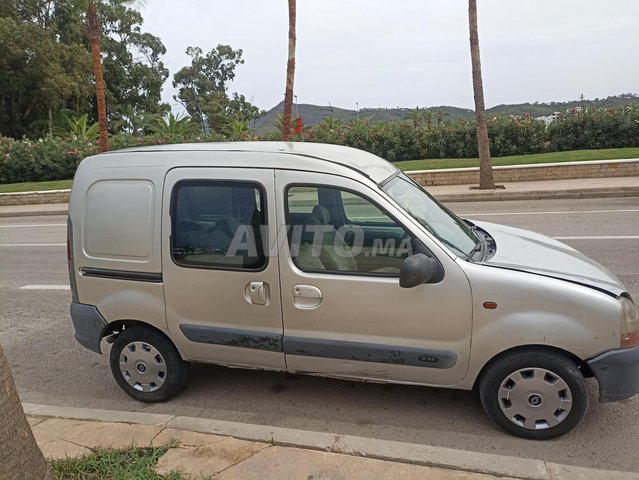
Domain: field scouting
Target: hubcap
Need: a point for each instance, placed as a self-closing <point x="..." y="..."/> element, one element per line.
<point x="143" y="367"/>
<point x="535" y="398"/>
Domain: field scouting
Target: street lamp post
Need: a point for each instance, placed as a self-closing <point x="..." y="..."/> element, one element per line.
<point x="297" y="107"/>
<point x="357" y="105"/>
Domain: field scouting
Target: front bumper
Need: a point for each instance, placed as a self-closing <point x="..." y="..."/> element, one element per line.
<point x="617" y="372"/>
<point x="89" y="326"/>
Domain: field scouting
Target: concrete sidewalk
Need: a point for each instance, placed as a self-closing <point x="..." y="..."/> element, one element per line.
<point x="201" y="455"/>
<point x="228" y="450"/>
<point x="549" y="189"/>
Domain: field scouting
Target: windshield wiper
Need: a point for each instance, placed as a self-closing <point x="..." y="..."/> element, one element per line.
<point x="479" y="246"/>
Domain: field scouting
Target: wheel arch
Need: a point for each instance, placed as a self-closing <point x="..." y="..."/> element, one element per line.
<point x="118" y="326"/>
<point x="582" y="365"/>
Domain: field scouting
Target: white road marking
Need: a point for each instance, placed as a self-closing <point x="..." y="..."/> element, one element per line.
<point x="33" y="244"/>
<point x="35" y="226"/>
<point x="566" y="212"/>
<point x="601" y="237"/>
<point x="45" y="287"/>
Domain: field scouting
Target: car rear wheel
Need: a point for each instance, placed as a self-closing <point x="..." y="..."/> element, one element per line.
<point x="146" y="365"/>
<point x="534" y="394"/>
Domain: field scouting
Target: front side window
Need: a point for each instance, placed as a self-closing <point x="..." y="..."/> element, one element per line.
<point x="338" y="231"/>
<point x="358" y="210"/>
<point x="217" y="224"/>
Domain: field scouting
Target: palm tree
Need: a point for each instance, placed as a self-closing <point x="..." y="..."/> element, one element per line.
<point x="486" y="180"/>
<point x="173" y="126"/>
<point x="416" y="116"/>
<point x="94" y="31"/>
<point x="77" y="128"/>
<point x="20" y="456"/>
<point x="441" y="114"/>
<point x="428" y="118"/>
<point x="290" y="72"/>
<point x="236" y="129"/>
<point x="278" y="122"/>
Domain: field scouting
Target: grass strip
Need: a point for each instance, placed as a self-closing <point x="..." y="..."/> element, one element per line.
<point x="552" y="157"/>
<point x="125" y="464"/>
<point x="35" y="186"/>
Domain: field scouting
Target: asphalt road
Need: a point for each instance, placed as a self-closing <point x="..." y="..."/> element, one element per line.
<point x="51" y="368"/>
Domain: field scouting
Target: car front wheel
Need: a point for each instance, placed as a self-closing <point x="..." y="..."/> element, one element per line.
<point x="534" y="394"/>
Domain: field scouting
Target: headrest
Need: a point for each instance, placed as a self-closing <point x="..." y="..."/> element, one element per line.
<point x="322" y="214"/>
<point x="308" y="234"/>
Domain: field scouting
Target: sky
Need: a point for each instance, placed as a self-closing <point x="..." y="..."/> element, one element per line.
<point x="383" y="53"/>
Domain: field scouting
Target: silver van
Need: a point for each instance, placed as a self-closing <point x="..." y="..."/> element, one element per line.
<point x="327" y="260"/>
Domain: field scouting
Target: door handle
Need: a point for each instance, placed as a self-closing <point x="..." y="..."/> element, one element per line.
<point x="306" y="296"/>
<point x="257" y="293"/>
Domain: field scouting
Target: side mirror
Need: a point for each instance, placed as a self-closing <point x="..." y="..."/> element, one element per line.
<point x="418" y="269"/>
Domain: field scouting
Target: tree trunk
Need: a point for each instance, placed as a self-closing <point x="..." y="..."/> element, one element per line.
<point x="20" y="456"/>
<point x="94" y="32"/>
<point x="290" y="72"/>
<point x="486" y="180"/>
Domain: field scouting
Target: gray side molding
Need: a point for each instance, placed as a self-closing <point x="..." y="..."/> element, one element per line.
<point x="369" y="352"/>
<point x="89" y="326"/>
<point x="233" y="337"/>
<point x="314" y="347"/>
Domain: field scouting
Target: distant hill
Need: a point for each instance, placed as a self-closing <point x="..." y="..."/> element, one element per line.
<point x="542" y="109"/>
<point x="313" y="114"/>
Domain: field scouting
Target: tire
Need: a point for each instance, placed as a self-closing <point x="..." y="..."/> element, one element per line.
<point x="146" y="365"/>
<point x="534" y="394"/>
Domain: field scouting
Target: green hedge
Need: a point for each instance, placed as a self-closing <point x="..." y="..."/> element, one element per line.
<point x="53" y="158"/>
<point x="35" y="161"/>
<point x="402" y="141"/>
<point x="575" y="130"/>
<point x="57" y="159"/>
<point x="595" y="128"/>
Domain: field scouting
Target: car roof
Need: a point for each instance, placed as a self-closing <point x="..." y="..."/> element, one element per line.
<point x="318" y="157"/>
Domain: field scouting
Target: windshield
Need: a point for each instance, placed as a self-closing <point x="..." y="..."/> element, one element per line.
<point x="432" y="215"/>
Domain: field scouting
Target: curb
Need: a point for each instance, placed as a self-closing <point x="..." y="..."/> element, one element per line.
<point x="34" y="197"/>
<point x="34" y="213"/>
<point x="416" y="454"/>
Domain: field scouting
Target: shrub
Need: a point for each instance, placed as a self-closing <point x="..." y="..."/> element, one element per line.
<point x="595" y="128"/>
<point x="54" y="158"/>
<point x="397" y="141"/>
<point x="46" y="159"/>
<point x="516" y="136"/>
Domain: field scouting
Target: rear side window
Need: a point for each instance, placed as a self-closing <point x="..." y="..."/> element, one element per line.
<point x="218" y="224"/>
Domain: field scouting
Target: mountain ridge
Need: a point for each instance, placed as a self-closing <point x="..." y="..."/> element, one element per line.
<point x="313" y="114"/>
